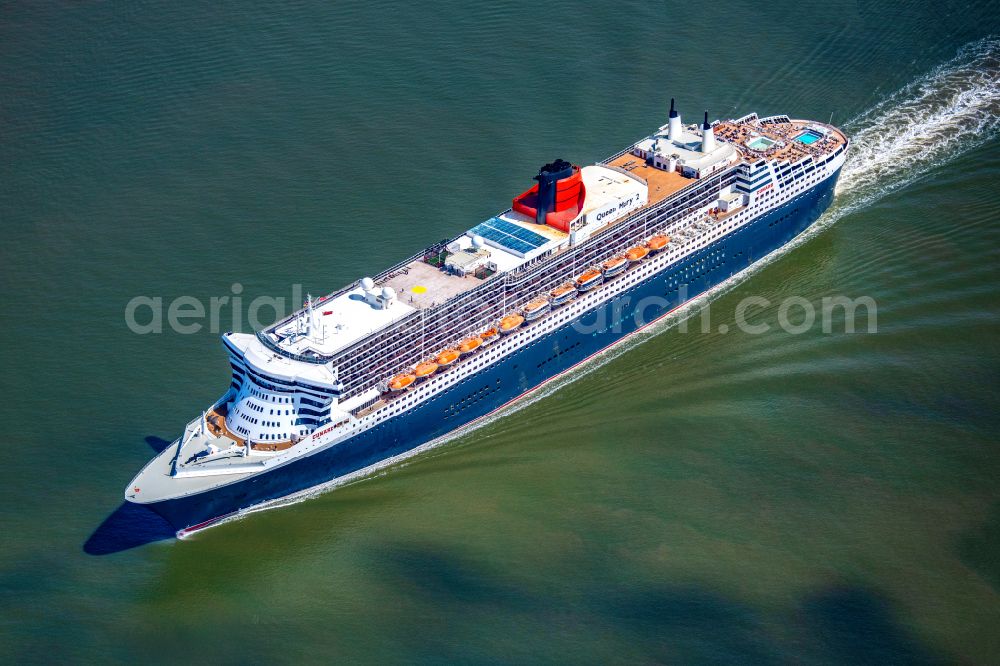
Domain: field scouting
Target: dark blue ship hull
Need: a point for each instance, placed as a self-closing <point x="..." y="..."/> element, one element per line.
<point x="522" y="371"/>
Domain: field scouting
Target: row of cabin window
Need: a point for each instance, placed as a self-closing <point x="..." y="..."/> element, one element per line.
<point x="689" y="196"/>
<point x="410" y="401"/>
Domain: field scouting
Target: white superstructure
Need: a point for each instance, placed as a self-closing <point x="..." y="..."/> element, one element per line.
<point x="319" y="378"/>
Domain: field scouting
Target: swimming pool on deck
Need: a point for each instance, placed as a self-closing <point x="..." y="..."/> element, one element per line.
<point x="808" y="137"/>
<point x="760" y="143"/>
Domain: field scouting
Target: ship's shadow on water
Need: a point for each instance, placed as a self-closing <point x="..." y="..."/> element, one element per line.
<point x="158" y="444"/>
<point x="130" y="525"/>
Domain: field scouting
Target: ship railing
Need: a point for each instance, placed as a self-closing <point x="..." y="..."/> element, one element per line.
<point x="775" y="120"/>
<point x="277" y="349"/>
<point x="618" y="154"/>
<point x="395" y="270"/>
<point x="626" y="172"/>
<point x="384" y="275"/>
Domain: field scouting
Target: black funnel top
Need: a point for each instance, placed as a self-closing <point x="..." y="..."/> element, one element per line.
<point x="705" y="125"/>
<point x="673" y="112"/>
<point x="547" y="177"/>
<point x="555" y="170"/>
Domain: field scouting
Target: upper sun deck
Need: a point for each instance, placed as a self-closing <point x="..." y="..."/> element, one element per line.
<point x="661" y="183"/>
<point x="323" y="329"/>
<point x="780" y="138"/>
<point x="650" y="171"/>
<point x="422" y="285"/>
<point x="449" y="269"/>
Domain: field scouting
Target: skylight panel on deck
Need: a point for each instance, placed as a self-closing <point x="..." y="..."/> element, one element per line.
<point x="509" y="236"/>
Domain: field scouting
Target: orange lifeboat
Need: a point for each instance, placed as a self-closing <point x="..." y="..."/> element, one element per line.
<point x="562" y="293"/>
<point x="657" y="243"/>
<point x="614" y="266"/>
<point x="589" y="279"/>
<point x="400" y="382"/>
<point x="637" y="254"/>
<point x="446" y="358"/>
<point x="425" y="369"/>
<point x="536" y="308"/>
<point x="489" y="335"/>
<point x="510" y="323"/>
<point x="469" y="345"/>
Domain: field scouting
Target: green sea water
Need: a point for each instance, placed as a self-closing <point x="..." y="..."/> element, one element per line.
<point x="690" y="497"/>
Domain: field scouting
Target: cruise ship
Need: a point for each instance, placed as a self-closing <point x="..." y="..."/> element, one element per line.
<point x="586" y="256"/>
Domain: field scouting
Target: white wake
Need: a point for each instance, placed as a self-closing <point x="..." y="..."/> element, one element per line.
<point x="949" y="111"/>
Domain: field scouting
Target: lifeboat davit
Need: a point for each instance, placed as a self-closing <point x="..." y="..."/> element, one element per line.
<point x="637" y="253"/>
<point x="536" y="308"/>
<point x="425" y="369"/>
<point x="510" y="323"/>
<point x="401" y="382"/>
<point x="562" y="294"/>
<point x="469" y="345"/>
<point x="446" y="358"/>
<point x="657" y="243"/>
<point x="614" y="266"/>
<point x="489" y="335"/>
<point x="589" y="279"/>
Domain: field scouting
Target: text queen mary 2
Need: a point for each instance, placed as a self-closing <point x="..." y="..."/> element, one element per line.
<point x="585" y="257"/>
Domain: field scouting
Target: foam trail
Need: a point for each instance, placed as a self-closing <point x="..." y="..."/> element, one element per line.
<point x="951" y="110"/>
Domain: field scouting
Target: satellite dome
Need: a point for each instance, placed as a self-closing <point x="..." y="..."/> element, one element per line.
<point x="388" y="293"/>
<point x="367" y="284"/>
<point x="477" y="241"/>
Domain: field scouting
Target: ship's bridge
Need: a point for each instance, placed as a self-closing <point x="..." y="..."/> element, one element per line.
<point x="323" y="329"/>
